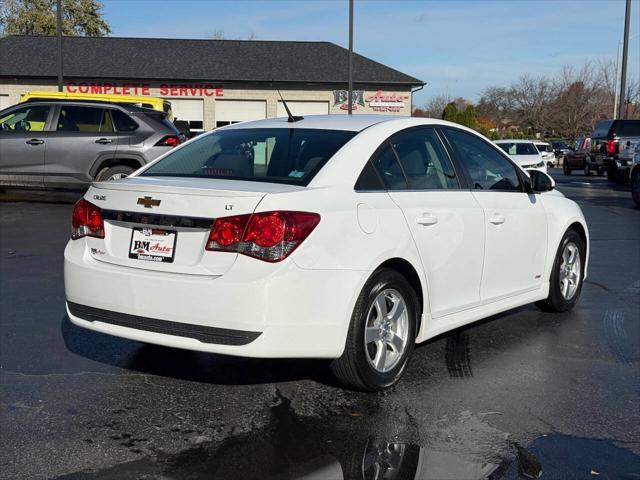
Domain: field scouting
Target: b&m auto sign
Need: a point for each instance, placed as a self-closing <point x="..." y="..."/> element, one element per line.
<point x="134" y="88"/>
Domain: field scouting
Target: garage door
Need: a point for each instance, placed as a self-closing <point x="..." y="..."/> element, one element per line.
<point x="304" y="108"/>
<point x="4" y="101"/>
<point x="191" y="110"/>
<point x="234" y="111"/>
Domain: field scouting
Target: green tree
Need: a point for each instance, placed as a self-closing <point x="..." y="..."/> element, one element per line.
<point x="468" y="117"/>
<point x="450" y="112"/>
<point x="38" y="17"/>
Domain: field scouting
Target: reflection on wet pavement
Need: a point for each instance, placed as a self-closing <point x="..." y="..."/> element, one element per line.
<point x="292" y="447"/>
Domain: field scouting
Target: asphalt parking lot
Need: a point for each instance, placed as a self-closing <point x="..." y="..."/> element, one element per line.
<point x="520" y="394"/>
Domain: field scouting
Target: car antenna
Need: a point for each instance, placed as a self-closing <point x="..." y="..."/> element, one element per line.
<point x="292" y="118"/>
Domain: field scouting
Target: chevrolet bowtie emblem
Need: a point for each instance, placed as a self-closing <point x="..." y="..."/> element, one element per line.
<point x="148" y="202"/>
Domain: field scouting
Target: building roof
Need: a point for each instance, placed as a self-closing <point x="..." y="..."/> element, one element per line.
<point x="198" y="60"/>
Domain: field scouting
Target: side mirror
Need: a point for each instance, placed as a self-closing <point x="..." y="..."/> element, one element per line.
<point x="540" y="182"/>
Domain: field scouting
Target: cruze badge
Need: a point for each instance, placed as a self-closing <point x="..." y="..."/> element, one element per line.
<point x="148" y="202"/>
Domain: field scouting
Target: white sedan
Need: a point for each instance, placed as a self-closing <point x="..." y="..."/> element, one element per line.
<point x="546" y="152"/>
<point x="350" y="238"/>
<point x="525" y="153"/>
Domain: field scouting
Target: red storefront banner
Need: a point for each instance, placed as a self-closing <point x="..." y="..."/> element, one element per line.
<point x="144" y="89"/>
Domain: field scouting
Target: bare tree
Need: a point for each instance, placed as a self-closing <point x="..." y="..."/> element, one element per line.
<point x="435" y="106"/>
<point x="496" y="104"/>
<point x="532" y="98"/>
<point x="581" y="99"/>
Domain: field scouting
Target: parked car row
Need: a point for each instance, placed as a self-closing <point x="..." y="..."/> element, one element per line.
<point x="609" y="149"/>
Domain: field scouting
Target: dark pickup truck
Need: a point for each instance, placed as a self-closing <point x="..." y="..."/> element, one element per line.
<point x="610" y="141"/>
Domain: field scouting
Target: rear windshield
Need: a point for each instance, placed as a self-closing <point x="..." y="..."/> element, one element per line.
<point x="543" y="147"/>
<point x="519" y="148"/>
<point x="602" y="129"/>
<point x="280" y="155"/>
<point x="627" y="128"/>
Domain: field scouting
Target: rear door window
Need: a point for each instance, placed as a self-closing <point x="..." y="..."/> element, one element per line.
<point x="388" y="166"/>
<point x="424" y="160"/>
<point x="280" y="155"/>
<point x="84" y="119"/>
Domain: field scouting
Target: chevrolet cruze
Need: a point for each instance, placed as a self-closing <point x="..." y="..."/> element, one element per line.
<point x="350" y="238"/>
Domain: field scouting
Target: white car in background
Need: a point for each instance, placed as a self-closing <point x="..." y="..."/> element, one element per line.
<point x="524" y="153"/>
<point x="350" y="238"/>
<point x="547" y="153"/>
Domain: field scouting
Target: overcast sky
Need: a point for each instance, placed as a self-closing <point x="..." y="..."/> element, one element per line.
<point x="457" y="47"/>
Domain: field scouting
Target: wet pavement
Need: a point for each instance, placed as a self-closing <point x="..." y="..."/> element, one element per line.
<point x="524" y="394"/>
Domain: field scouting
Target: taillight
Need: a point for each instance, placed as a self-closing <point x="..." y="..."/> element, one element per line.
<point x="86" y="220"/>
<point x="169" y="141"/>
<point x="268" y="236"/>
<point x="612" y="146"/>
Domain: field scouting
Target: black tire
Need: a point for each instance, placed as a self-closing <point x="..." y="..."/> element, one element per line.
<point x="600" y="171"/>
<point x="622" y="176"/>
<point x="565" y="168"/>
<point x="556" y="302"/>
<point x="353" y="368"/>
<point x="109" y="173"/>
<point x="587" y="170"/>
<point x="635" y="186"/>
<point x="612" y="173"/>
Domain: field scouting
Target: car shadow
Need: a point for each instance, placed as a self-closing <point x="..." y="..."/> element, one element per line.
<point x="189" y="365"/>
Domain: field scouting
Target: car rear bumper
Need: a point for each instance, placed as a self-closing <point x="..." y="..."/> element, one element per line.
<point x="256" y="309"/>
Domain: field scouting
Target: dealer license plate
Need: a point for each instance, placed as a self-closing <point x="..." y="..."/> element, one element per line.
<point x="153" y="244"/>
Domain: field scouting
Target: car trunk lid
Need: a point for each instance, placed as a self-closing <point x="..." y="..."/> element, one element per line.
<point x="163" y="224"/>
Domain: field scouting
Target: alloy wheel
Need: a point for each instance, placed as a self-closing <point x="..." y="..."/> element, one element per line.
<point x="570" y="271"/>
<point x="382" y="461"/>
<point x="117" y="176"/>
<point x="387" y="330"/>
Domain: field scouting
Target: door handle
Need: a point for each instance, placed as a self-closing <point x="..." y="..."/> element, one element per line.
<point x="427" y="220"/>
<point x="104" y="140"/>
<point x="497" y="219"/>
<point x="35" y="141"/>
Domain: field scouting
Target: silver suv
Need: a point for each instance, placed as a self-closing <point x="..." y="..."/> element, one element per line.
<point x="66" y="144"/>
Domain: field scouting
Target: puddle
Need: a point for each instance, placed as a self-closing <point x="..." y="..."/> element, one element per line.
<point x="567" y="457"/>
<point x="293" y="447"/>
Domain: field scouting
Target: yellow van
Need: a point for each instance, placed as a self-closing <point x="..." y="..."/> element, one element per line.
<point x="137" y="101"/>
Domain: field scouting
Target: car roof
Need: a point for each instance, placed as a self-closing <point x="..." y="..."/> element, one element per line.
<point x="512" y="140"/>
<point x="354" y="123"/>
<point x="85" y="103"/>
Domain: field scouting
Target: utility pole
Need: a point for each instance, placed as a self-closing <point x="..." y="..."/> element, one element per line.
<point x="622" y="111"/>
<point x="59" y="35"/>
<point x="616" y="99"/>
<point x="350" y="94"/>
